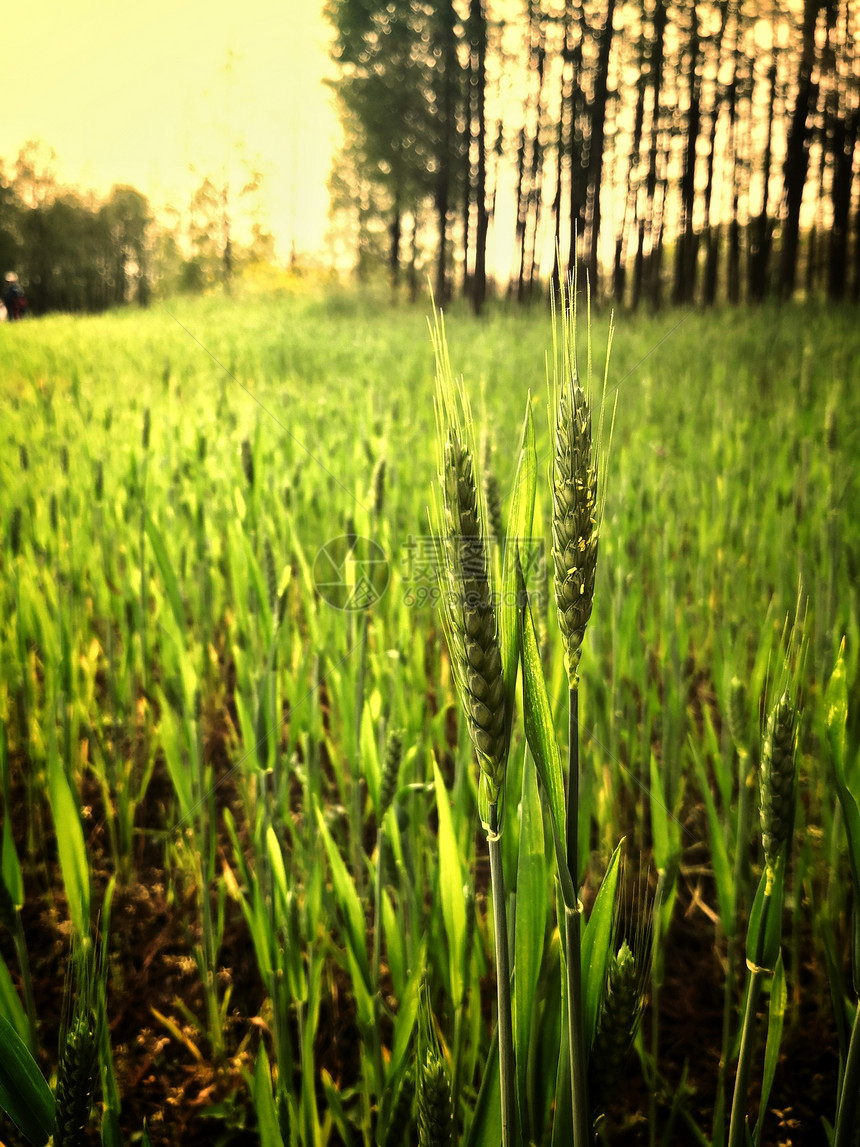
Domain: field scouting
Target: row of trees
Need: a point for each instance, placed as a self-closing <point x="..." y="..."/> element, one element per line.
<point x="682" y="149"/>
<point x="75" y="251"/>
<point x="72" y="252"/>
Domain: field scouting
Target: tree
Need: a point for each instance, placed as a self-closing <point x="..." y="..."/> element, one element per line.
<point x="387" y="91"/>
<point x="126" y="219"/>
<point x="796" y="163"/>
<point x="478" y="136"/>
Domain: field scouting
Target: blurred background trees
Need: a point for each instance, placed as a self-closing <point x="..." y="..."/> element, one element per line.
<point x="677" y="150"/>
<point x="74" y="251"/>
<point x="684" y="152"/>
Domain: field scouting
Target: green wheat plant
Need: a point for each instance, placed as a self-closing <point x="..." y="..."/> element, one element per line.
<point x="836" y="701"/>
<point x="778" y="796"/>
<point x="84" y="1057"/>
<point x="475" y="631"/>
<point x="80" y="1039"/>
<point x="184" y="708"/>
<point x="577" y="512"/>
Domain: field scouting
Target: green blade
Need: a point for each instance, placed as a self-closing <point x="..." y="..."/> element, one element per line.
<point x="171" y="585"/>
<point x="407" y="1013"/>
<point x="11" y="868"/>
<point x="519" y="528"/>
<point x="775" y="1018"/>
<point x="540" y="734"/>
<point x="24" y="1095"/>
<point x="596" y="942"/>
<point x="532" y="906"/>
<point x="767" y="912"/>
<point x="10" y="1004"/>
<point x="70" y="844"/>
<point x="267" y="1116"/>
<point x="486" y="1127"/>
<point x="347" y="898"/>
<point x="723" y="876"/>
<point x="451" y="882"/>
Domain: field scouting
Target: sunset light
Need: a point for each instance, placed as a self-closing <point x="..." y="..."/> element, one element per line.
<point x="142" y="95"/>
<point x="429" y="583"/>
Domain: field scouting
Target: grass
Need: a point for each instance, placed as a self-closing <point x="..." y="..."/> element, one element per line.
<point x="173" y="678"/>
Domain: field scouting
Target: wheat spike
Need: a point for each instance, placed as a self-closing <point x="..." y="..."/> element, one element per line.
<point x="620" y="1011"/>
<point x="390" y="771"/>
<point x="377" y="486"/>
<point x="76" y="1082"/>
<point x="435" y="1108"/>
<point x="271" y="573"/>
<point x="15" y="531"/>
<point x="464" y="567"/>
<point x="576" y="510"/>
<point x="435" y="1115"/>
<point x="248" y="463"/>
<point x="777" y="780"/>
<point x="471" y="620"/>
<point x="574" y="519"/>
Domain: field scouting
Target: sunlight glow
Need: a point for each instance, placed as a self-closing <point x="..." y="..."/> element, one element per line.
<point x="141" y="95"/>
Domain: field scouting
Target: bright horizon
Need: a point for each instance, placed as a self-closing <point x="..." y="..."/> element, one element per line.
<point x="137" y="96"/>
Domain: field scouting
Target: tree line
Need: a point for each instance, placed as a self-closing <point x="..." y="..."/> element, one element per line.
<point x="690" y="151"/>
<point x="76" y="251"/>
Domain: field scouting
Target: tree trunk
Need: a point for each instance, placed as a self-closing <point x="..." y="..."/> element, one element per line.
<point x="413" y="258"/>
<point x="760" y="227"/>
<point x="733" y="270"/>
<point x="796" y="162"/>
<point x="711" y="233"/>
<point x="529" y="205"/>
<point x="565" y="132"/>
<point x="621" y="239"/>
<point x="578" y="138"/>
<point x="685" y="253"/>
<point x="520" y="227"/>
<point x="479" y="48"/>
<point x="648" y="223"/>
<point x="598" y="135"/>
<point x="844" y="142"/>
<point x="395" y="233"/>
<point x="446" y="158"/>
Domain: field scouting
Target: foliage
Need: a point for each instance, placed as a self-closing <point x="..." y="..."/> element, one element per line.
<point x="177" y="678"/>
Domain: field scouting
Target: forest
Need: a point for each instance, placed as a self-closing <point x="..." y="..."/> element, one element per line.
<point x="686" y="151"/>
<point x="77" y="251"/>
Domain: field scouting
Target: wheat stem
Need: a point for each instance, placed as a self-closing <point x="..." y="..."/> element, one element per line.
<point x="737" y="1126"/>
<point x="507" y="1077"/>
<point x="573" y="936"/>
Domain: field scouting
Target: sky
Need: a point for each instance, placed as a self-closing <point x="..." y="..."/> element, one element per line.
<point x="141" y="94"/>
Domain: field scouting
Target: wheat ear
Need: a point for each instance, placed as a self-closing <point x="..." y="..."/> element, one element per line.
<point x="468" y="610"/>
<point x="78" y="1070"/>
<point x="777" y="780"/>
<point x="435" y="1109"/>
